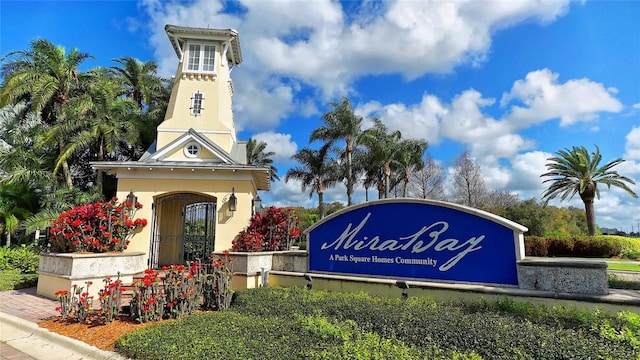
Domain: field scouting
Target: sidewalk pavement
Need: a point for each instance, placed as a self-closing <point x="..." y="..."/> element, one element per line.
<point x="22" y="339"/>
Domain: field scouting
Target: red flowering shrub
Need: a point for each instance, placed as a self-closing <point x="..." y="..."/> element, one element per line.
<point x="98" y="227"/>
<point x="76" y="302"/>
<point x="148" y="302"/>
<point x="275" y="229"/>
<point x="216" y="287"/>
<point x="110" y="299"/>
<point x="182" y="290"/>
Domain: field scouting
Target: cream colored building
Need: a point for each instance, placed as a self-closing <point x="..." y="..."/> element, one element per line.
<point x="189" y="178"/>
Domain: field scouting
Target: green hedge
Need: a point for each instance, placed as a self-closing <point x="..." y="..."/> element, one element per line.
<point x="602" y="246"/>
<point x="230" y="335"/>
<point x="23" y="258"/>
<point x="14" y="280"/>
<point x="276" y="323"/>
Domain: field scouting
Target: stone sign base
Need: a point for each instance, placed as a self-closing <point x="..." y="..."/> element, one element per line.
<point x="564" y="276"/>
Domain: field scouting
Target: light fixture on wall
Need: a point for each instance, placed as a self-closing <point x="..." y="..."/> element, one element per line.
<point x="257" y="205"/>
<point x="132" y="198"/>
<point x="404" y="286"/>
<point x="233" y="201"/>
<point x="309" y="281"/>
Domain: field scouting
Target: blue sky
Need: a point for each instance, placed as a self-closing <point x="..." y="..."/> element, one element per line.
<point x="510" y="81"/>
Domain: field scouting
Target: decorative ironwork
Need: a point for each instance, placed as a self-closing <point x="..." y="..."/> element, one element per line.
<point x="184" y="229"/>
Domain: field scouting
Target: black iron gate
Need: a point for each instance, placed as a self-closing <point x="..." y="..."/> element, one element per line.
<point x="184" y="229"/>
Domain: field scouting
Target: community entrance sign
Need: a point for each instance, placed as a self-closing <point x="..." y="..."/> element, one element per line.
<point x="417" y="239"/>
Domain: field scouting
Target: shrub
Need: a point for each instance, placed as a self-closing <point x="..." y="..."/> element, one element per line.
<point x="182" y="290"/>
<point x="275" y="229"/>
<point x="617" y="282"/>
<point x="216" y="284"/>
<point x="110" y="299"/>
<point x="23" y="258"/>
<point x="14" y="280"/>
<point x="229" y="335"/>
<point x="535" y="246"/>
<point x="597" y="247"/>
<point x="630" y="247"/>
<point x="560" y="246"/>
<point x="98" y="227"/>
<point x="147" y="303"/>
<point x="525" y="332"/>
<point x="75" y="303"/>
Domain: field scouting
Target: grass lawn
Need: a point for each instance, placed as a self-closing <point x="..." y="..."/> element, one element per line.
<point x="623" y="265"/>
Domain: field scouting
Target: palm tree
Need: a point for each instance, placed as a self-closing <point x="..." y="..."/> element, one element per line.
<point x="17" y="202"/>
<point x="341" y="124"/>
<point x="576" y="171"/>
<point x="47" y="77"/>
<point x="104" y="122"/>
<point x="139" y="78"/>
<point x="384" y="147"/>
<point x="20" y="160"/>
<point x="409" y="158"/>
<point x="314" y="173"/>
<point x="257" y="156"/>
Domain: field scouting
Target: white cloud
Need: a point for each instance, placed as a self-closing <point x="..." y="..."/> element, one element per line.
<point x="422" y="120"/>
<point x="526" y="171"/>
<point x="261" y="103"/>
<point x="281" y="144"/>
<point x="496" y="177"/>
<point x="545" y="99"/>
<point x="288" y="194"/>
<point x="632" y="146"/>
<point x="314" y="42"/>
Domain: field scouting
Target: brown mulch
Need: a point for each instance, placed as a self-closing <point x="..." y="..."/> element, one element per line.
<point x="94" y="331"/>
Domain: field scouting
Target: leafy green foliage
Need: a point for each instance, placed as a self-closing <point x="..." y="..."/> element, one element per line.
<point x="22" y="258"/>
<point x="586" y="246"/>
<point x="293" y="323"/>
<point x="617" y="282"/>
<point x="225" y="335"/>
<point x="459" y="327"/>
<point x="14" y="280"/>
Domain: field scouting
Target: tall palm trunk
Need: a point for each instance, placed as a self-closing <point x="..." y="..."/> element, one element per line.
<point x="321" y="204"/>
<point x="591" y="217"/>
<point x="387" y="179"/>
<point x="588" y="196"/>
<point x="66" y="171"/>
<point x="349" y="174"/>
<point x="407" y="177"/>
<point x="99" y="175"/>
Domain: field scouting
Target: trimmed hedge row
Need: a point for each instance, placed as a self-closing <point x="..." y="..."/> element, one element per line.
<point x="15" y="280"/>
<point x="293" y="323"/>
<point x="535" y="333"/>
<point x="590" y="247"/>
<point x="229" y="335"/>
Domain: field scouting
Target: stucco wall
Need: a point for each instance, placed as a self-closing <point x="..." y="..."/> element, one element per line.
<point x="228" y="224"/>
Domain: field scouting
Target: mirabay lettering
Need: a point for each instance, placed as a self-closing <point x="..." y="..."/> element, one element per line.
<point x="383" y="260"/>
<point x="413" y="243"/>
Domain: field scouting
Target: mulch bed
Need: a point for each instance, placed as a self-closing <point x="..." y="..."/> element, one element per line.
<point x="94" y="331"/>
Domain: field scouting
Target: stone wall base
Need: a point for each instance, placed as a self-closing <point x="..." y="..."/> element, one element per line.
<point x="564" y="276"/>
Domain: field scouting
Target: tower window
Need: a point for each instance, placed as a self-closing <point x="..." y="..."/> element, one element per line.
<point x="196" y="103"/>
<point x="201" y="58"/>
<point x="192" y="150"/>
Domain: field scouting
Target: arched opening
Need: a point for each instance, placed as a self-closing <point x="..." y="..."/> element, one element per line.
<point x="183" y="229"/>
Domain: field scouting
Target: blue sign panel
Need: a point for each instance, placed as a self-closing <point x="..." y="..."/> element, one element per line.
<point x="417" y="240"/>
